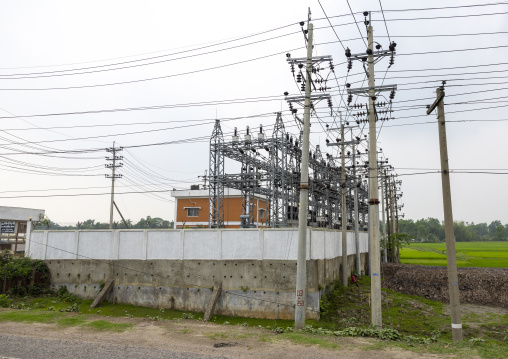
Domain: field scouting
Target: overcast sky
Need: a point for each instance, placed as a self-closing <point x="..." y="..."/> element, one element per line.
<point x="139" y="55"/>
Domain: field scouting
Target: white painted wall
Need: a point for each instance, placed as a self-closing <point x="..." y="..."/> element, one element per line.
<point x="179" y="244"/>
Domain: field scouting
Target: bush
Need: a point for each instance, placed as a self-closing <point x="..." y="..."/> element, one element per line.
<point x="5" y="302"/>
<point x="64" y="295"/>
<point x="20" y="271"/>
<point x="18" y="290"/>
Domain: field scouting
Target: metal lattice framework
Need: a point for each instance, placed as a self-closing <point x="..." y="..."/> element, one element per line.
<point x="216" y="179"/>
<point x="270" y="167"/>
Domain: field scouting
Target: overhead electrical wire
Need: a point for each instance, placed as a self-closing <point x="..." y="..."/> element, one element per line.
<point x="53" y="74"/>
<point x="220" y="42"/>
<point x="384" y="19"/>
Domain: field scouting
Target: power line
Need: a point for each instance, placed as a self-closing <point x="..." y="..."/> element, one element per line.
<point x="154" y="78"/>
<point x="150" y="58"/>
<point x="447" y="7"/>
<point x="356" y="23"/>
<point x="384" y="19"/>
<point x="446" y="17"/>
<point x="324" y="12"/>
<point x="58" y="74"/>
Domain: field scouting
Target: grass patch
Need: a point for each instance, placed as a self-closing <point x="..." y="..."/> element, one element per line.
<point x="307" y="340"/>
<point x="469" y="254"/>
<point x="102" y="325"/>
<point x="422" y="326"/>
<point x="73" y="321"/>
<point x="30" y="316"/>
<point x="60" y="318"/>
<point x="217" y="335"/>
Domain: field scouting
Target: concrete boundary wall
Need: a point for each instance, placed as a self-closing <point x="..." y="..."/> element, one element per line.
<point x="177" y="268"/>
<point x="250" y="288"/>
<point x="188" y="244"/>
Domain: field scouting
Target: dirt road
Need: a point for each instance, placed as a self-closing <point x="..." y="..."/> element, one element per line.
<point x="174" y="339"/>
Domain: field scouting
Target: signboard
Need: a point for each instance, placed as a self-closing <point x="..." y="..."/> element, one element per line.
<point x="7" y="227"/>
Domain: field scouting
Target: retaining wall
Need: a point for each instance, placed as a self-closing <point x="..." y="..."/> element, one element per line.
<point x="177" y="268"/>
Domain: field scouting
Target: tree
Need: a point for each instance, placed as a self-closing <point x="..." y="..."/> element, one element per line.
<point x="462" y="232"/>
<point x="392" y="245"/>
<point x="42" y="222"/>
<point x="500" y="233"/>
<point x="492" y="227"/>
<point x="480" y="231"/>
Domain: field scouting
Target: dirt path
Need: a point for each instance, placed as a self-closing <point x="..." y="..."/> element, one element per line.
<point x="191" y="336"/>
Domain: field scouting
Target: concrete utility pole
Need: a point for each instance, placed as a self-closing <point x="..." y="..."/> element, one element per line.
<point x="391" y="185"/>
<point x="301" y="266"/>
<point x="113" y="176"/>
<point x="343" y="187"/>
<point x="385" y="254"/>
<point x="453" y="281"/>
<point x="357" y="233"/>
<point x="375" y="265"/>
<point x="370" y="91"/>
<point x="396" y="219"/>
<point x="388" y="226"/>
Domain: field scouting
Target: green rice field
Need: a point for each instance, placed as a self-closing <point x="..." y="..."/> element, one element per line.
<point x="469" y="254"/>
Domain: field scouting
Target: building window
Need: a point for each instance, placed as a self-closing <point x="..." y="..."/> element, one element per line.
<point x="261" y="213"/>
<point x="192" y="212"/>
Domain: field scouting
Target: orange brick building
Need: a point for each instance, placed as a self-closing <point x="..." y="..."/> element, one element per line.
<point x="192" y="209"/>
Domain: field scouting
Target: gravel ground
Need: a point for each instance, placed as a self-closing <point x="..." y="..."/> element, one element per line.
<point x="22" y="347"/>
<point x="175" y="339"/>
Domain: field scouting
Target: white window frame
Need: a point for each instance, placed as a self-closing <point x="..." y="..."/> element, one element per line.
<point x="192" y="208"/>
<point x="261" y="213"/>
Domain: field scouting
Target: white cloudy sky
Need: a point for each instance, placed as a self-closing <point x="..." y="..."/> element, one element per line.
<point x="117" y="48"/>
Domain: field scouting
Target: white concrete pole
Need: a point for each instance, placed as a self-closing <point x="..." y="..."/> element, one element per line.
<point x="343" y="205"/>
<point x="301" y="268"/>
<point x="113" y="152"/>
<point x="385" y="254"/>
<point x="392" y="215"/>
<point x="375" y="265"/>
<point x="396" y="219"/>
<point x="453" y="281"/>
<point x="357" y="234"/>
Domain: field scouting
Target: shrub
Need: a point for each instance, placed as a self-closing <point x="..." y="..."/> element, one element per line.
<point x="18" y="290"/>
<point x="5" y="302"/>
<point x="20" y="270"/>
<point x="64" y="295"/>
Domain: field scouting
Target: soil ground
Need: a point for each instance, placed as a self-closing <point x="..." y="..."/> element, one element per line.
<point x="193" y="336"/>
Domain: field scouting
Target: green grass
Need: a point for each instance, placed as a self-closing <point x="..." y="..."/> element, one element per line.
<point x="469" y="254"/>
<point x="102" y="325"/>
<point x="307" y="340"/>
<point x="72" y="321"/>
<point x="341" y="308"/>
<point x="30" y="316"/>
<point x="62" y="319"/>
<point x="414" y="316"/>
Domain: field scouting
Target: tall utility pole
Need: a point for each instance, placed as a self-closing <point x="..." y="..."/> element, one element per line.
<point x="388" y="226"/>
<point x="375" y="265"/>
<point x="374" y="246"/>
<point x="301" y="265"/>
<point x="391" y="185"/>
<point x="113" y="150"/>
<point x="343" y="186"/>
<point x="453" y="280"/>
<point x="396" y="217"/>
<point x="385" y="254"/>
<point x="357" y="233"/>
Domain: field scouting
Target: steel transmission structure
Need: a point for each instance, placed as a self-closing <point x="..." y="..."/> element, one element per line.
<point x="270" y="166"/>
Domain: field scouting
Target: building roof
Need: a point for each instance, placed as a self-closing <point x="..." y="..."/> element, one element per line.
<point x="19" y="213"/>
<point x="203" y="193"/>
